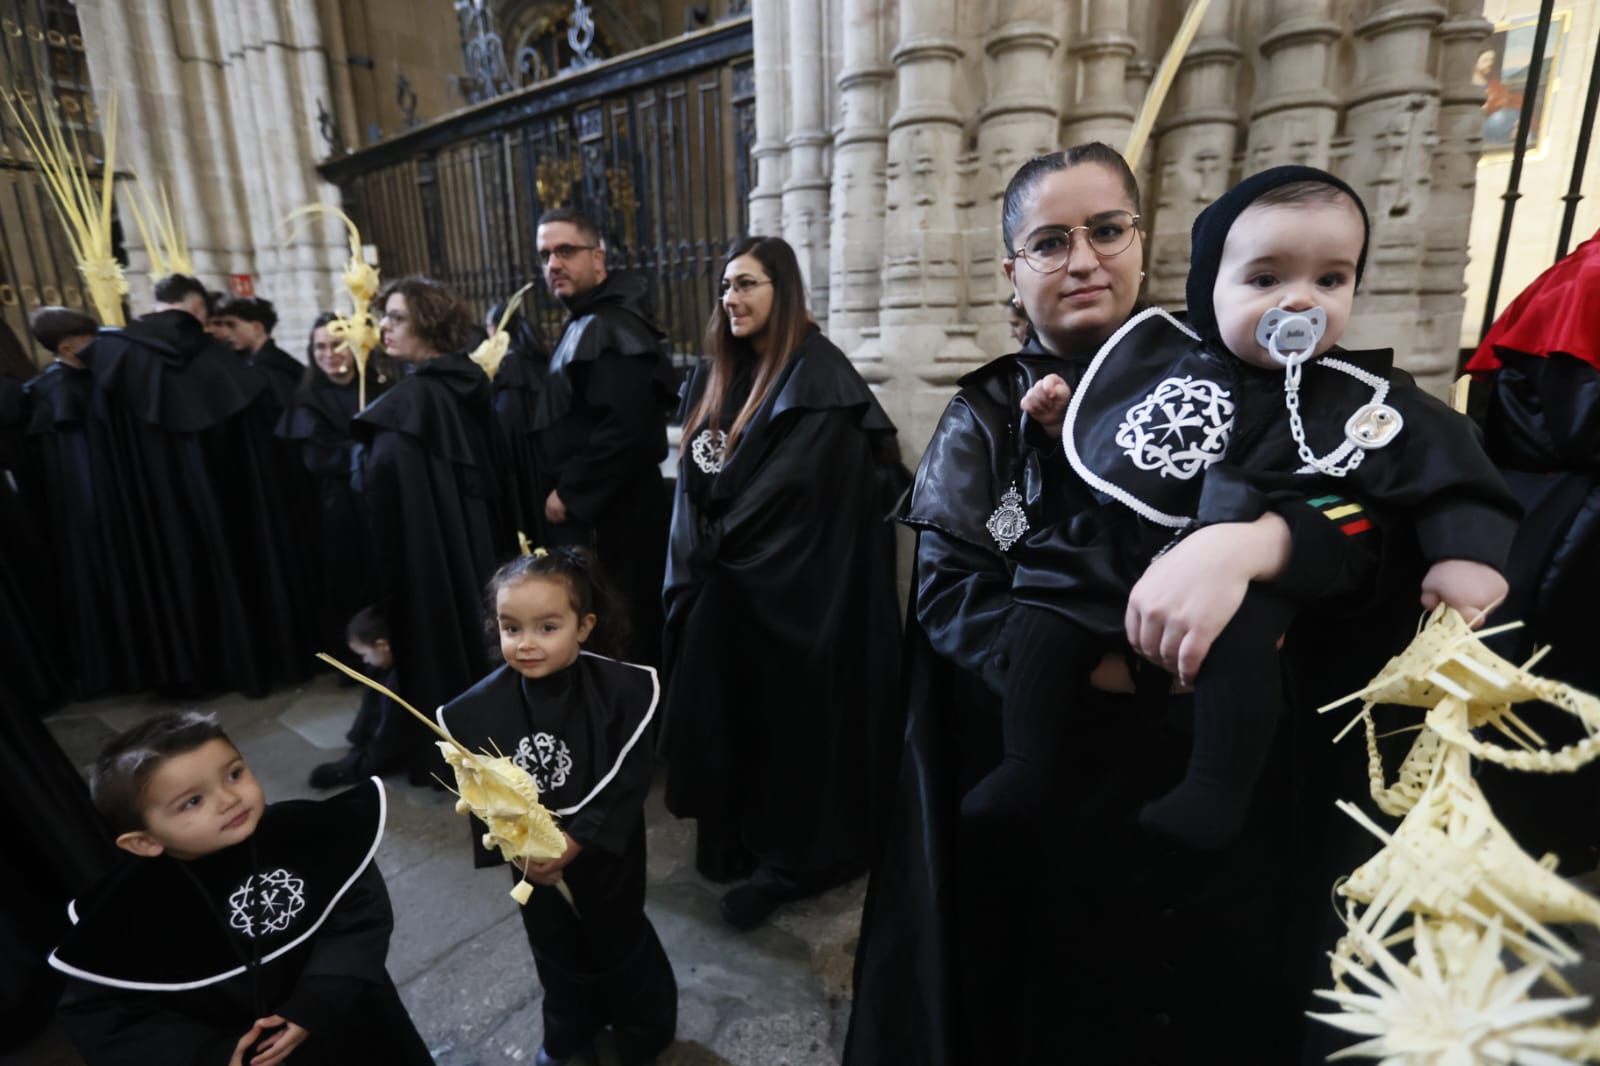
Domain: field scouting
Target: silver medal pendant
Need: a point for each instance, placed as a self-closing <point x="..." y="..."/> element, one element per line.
<point x="1008" y="522"/>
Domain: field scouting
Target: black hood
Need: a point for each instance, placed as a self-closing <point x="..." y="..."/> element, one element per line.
<point x="1211" y="228"/>
<point x="623" y="290"/>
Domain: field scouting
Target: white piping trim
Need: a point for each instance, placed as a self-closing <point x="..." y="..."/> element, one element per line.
<point x="1094" y="480"/>
<point x="72" y="910"/>
<point x="148" y="986"/>
<point x="655" y="698"/>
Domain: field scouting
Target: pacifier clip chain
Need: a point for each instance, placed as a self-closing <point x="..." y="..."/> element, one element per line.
<point x="1373" y="425"/>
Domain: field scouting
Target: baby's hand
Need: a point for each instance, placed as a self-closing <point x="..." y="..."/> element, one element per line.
<point x="1046" y="403"/>
<point x="1473" y="589"/>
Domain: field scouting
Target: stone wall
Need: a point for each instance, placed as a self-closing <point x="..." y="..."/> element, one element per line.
<point x="217" y="102"/>
<point x="887" y="129"/>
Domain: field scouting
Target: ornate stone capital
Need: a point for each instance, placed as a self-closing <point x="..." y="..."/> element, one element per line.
<point x="1304" y="30"/>
<point x="924" y="49"/>
<point x="1418" y="14"/>
<point x="1021" y="35"/>
<point x="1104" y="44"/>
<point x="863" y="77"/>
<point x="1294" y="99"/>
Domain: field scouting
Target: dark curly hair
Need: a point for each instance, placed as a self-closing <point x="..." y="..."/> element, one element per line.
<point x="587" y="588"/>
<point x="438" y="316"/>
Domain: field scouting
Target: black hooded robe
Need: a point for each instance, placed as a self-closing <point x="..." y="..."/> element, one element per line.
<point x="428" y="486"/>
<point x="782" y="625"/>
<point x="172" y="961"/>
<point x="319" y="423"/>
<point x="517" y="388"/>
<point x="281" y="371"/>
<point x="585" y="734"/>
<point x="602" y="433"/>
<point x="31" y="623"/>
<point x="58" y="847"/>
<point x="205" y="543"/>
<point x="1097" y="944"/>
<point x="1542" y="428"/>
<point x="96" y="614"/>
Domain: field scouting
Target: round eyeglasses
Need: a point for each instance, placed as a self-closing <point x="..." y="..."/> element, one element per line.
<point x="1048" y="248"/>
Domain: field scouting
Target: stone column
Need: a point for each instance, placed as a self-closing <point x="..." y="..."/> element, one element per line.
<point x="925" y="342"/>
<point x="1296" y="113"/>
<point x="1097" y="108"/>
<point x="1391" y="118"/>
<point x="860" y="150"/>
<point x="1018" y="122"/>
<point x="213" y="105"/>
<point x="1194" y="153"/>
<point x="769" y="27"/>
<point x="1454" y="181"/>
<point x="805" y="189"/>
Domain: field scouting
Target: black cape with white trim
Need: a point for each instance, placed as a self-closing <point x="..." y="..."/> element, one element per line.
<point x="1180" y="434"/>
<point x="584" y="734"/>
<point x="149" y="928"/>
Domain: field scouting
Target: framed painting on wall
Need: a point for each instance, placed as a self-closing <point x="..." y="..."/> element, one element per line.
<point x="1502" y="69"/>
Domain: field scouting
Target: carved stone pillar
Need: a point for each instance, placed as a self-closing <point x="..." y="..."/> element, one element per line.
<point x="1018" y="122"/>
<point x="1391" y="118"/>
<point x="1455" y="177"/>
<point x="1296" y="112"/>
<point x="769" y="27"/>
<point x="860" y="151"/>
<point x="805" y="189"/>
<point x="214" y="102"/>
<point x="1195" y="151"/>
<point x="1097" y="108"/>
<point x="924" y="341"/>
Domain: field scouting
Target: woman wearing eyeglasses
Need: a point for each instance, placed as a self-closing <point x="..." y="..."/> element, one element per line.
<point x="782" y="623"/>
<point x="1039" y="924"/>
<point x="427" y="483"/>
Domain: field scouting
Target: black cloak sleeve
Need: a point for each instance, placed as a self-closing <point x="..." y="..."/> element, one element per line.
<point x="114" y="1028"/>
<point x="620" y="394"/>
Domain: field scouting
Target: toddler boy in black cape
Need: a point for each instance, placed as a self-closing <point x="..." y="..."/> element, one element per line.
<point x="245" y="935"/>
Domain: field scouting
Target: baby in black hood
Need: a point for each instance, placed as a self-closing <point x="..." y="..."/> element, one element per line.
<point x="1249" y="409"/>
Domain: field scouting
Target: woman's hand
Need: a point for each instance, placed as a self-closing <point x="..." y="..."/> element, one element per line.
<point x="1473" y="589"/>
<point x="548" y="873"/>
<point x="1046" y="403"/>
<point x="1186" y="597"/>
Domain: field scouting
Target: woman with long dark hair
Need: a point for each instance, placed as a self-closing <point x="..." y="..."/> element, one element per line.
<point x="782" y="629"/>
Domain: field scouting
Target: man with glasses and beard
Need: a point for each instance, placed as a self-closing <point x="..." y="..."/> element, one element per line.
<point x="601" y="424"/>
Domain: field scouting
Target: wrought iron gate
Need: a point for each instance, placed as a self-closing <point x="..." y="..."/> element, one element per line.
<point x="654" y="145"/>
<point x="42" y="62"/>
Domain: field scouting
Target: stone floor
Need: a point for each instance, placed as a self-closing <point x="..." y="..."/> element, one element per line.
<point x="778" y="996"/>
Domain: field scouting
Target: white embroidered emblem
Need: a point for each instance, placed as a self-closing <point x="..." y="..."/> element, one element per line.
<point x="266" y="903"/>
<point x="707" y="450"/>
<point x="1180" y="429"/>
<point x="546" y="759"/>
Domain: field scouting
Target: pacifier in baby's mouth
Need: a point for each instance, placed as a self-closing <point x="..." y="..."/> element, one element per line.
<point x="1291" y="337"/>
